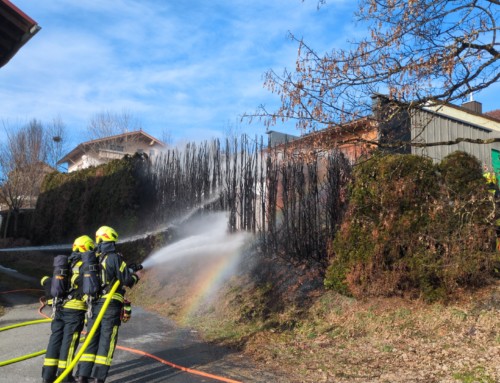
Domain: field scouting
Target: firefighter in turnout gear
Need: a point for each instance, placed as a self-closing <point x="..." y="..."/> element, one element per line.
<point x="96" y="360"/>
<point x="69" y="317"/>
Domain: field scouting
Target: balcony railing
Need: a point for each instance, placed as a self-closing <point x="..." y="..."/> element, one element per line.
<point x="110" y="154"/>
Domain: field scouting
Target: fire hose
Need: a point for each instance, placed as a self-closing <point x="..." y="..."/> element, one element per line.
<point x="24" y="324"/>
<point x="90" y="335"/>
<point x="28" y="356"/>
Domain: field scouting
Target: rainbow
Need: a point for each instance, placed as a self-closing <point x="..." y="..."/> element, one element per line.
<point x="207" y="284"/>
<point x="213" y="249"/>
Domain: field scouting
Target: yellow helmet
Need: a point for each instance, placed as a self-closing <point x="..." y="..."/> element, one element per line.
<point x="83" y="244"/>
<point x="106" y="234"/>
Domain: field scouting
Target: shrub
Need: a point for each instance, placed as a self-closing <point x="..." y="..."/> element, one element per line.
<point x="413" y="226"/>
<point x="79" y="202"/>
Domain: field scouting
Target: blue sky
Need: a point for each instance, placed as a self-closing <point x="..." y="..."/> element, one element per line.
<point x="189" y="68"/>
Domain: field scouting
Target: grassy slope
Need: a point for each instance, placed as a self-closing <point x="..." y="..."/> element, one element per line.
<point x="333" y="338"/>
<point x="339" y="339"/>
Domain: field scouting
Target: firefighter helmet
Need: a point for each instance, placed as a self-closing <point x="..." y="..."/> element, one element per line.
<point x="106" y="234"/>
<point x="83" y="244"/>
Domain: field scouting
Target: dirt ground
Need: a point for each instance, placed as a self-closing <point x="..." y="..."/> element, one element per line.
<point x="336" y="339"/>
<point x="342" y="340"/>
<point x="390" y="341"/>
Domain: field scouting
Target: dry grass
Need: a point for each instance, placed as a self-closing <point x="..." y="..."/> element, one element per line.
<point x="390" y="340"/>
<point x="340" y="339"/>
<point x="336" y="339"/>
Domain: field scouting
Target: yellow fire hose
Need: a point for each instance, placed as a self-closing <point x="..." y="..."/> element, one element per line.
<point x="21" y="358"/>
<point x="24" y="357"/>
<point x="41" y="352"/>
<point x="24" y="324"/>
<point x="90" y="335"/>
<point x="27" y="356"/>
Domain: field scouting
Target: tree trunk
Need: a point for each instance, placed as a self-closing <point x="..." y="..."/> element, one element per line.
<point x="7" y="221"/>
<point x="16" y="221"/>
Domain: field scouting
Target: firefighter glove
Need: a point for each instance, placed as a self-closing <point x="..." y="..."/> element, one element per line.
<point x="126" y="311"/>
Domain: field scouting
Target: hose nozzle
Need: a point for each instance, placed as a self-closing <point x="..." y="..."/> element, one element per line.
<point x="135" y="267"/>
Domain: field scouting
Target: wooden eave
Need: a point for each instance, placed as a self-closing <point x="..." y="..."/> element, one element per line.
<point x="16" y="29"/>
<point x="85" y="146"/>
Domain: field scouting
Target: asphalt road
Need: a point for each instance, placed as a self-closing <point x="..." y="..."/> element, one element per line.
<point x="145" y="332"/>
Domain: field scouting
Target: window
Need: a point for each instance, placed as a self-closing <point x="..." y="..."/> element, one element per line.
<point x="117" y="148"/>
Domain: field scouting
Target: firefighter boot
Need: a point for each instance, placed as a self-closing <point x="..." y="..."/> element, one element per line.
<point x="82" y="379"/>
<point x="98" y="380"/>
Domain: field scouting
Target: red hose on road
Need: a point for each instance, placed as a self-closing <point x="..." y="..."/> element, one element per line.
<point x="186" y="369"/>
<point x="143" y="353"/>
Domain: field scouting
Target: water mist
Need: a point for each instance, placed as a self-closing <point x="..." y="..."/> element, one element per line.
<point x="206" y="257"/>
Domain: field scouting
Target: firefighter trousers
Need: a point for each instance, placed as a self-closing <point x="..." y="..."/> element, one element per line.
<point x="96" y="360"/>
<point x="63" y="342"/>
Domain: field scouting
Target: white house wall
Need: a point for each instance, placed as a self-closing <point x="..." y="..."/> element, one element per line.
<point x="84" y="162"/>
<point x="463" y="115"/>
<point x="105" y="155"/>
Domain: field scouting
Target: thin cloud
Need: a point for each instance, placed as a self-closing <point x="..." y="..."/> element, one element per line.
<point x="182" y="67"/>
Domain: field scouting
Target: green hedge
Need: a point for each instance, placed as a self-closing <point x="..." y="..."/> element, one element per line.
<point x="416" y="227"/>
<point x="77" y="203"/>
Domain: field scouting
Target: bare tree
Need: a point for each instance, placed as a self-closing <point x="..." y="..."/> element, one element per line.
<point x="22" y="167"/>
<point x="416" y="51"/>
<point x="106" y="124"/>
<point x="56" y="141"/>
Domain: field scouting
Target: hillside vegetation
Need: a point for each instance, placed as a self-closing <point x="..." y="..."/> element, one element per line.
<point x="411" y="293"/>
<point x="284" y="320"/>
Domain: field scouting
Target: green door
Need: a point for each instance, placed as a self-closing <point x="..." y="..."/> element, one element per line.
<point x="495" y="162"/>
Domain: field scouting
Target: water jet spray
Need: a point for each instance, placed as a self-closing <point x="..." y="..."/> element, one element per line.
<point x="200" y="263"/>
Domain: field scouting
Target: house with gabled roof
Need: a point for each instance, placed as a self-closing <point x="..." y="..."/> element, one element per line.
<point x="433" y="130"/>
<point x="354" y="140"/>
<point x="104" y="150"/>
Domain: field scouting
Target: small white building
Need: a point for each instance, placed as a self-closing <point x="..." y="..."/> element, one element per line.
<point x="103" y="150"/>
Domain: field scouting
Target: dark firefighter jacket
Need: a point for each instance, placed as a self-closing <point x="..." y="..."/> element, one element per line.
<point x="114" y="268"/>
